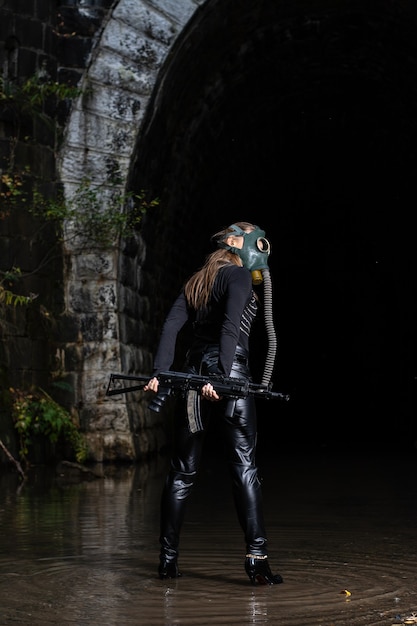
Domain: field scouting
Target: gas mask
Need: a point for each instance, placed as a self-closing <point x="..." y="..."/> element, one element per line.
<point x="254" y="253"/>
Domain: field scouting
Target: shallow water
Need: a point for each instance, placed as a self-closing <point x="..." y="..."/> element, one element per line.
<point x="85" y="553"/>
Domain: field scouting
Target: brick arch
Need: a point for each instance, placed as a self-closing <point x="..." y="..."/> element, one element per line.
<point x="100" y="139"/>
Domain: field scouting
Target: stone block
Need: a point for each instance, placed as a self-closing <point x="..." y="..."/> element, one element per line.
<point x="178" y="12"/>
<point x="95" y="266"/>
<point x="152" y="23"/>
<point x="124" y="40"/>
<point x="119" y="105"/>
<point x="119" y="72"/>
<point x="30" y="34"/>
<point x="74" y="52"/>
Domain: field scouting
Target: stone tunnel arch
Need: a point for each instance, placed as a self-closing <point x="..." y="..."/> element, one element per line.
<point x="302" y="121"/>
<point x="100" y="141"/>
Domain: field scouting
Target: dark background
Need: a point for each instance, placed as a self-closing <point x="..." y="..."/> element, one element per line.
<point x="303" y="123"/>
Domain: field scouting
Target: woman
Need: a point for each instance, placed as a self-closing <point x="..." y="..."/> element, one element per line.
<point x="219" y="302"/>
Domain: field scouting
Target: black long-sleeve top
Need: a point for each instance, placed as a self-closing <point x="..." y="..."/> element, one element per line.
<point x="226" y="322"/>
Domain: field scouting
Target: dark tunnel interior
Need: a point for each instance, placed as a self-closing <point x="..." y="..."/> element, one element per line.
<point x="304" y="124"/>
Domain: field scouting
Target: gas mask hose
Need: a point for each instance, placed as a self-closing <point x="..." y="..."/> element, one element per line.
<point x="270" y="329"/>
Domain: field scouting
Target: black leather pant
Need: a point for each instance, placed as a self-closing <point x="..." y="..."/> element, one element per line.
<point x="239" y="434"/>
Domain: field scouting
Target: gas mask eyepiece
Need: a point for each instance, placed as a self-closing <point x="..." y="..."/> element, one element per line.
<point x="258" y="260"/>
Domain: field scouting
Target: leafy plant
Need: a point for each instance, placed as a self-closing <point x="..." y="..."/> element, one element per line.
<point x="22" y="100"/>
<point x="28" y="98"/>
<point x="10" y="190"/>
<point x="95" y="220"/>
<point x="97" y="215"/>
<point x="7" y="297"/>
<point x="36" y="413"/>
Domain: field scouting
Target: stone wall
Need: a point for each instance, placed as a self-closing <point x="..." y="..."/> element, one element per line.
<point x="28" y="47"/>
<point x="105" y="291"/>
<point x="297" y="116"/>
<point x="85" y="321"/>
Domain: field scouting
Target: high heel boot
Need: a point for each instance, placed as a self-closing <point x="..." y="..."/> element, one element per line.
<point x="258" y="570"/>
<point x="168" y="567"/>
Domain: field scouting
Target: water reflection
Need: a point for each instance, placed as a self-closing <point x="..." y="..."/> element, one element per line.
<point x="85" y="553"/>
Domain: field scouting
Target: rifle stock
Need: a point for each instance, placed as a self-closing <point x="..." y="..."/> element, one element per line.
<point x="174" y="382"/>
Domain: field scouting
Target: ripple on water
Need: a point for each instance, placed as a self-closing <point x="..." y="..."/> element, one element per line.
<point x="88" y="557"/>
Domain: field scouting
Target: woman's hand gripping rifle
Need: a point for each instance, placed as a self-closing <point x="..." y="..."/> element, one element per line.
<point x="178" y="382"/>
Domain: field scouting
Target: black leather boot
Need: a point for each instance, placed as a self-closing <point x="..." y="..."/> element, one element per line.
<point x="178" y="486"/>
<point x="258" y="570"/>
<point x="168" y="567"/>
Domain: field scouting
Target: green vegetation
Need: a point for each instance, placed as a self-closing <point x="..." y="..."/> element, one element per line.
<point x="7" y="297"/>
<point x="96" y="216"/>
<point x="28" y="98"/>
<point x="37" y="414"/>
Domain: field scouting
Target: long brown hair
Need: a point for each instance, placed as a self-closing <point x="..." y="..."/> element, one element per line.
<point x="198" y="287"/>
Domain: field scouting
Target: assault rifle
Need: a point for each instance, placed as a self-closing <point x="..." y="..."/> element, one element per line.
<point x="179" y="382"/>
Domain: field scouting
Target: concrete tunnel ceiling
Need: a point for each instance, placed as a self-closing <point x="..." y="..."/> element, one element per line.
<point x="305" y="124"/>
